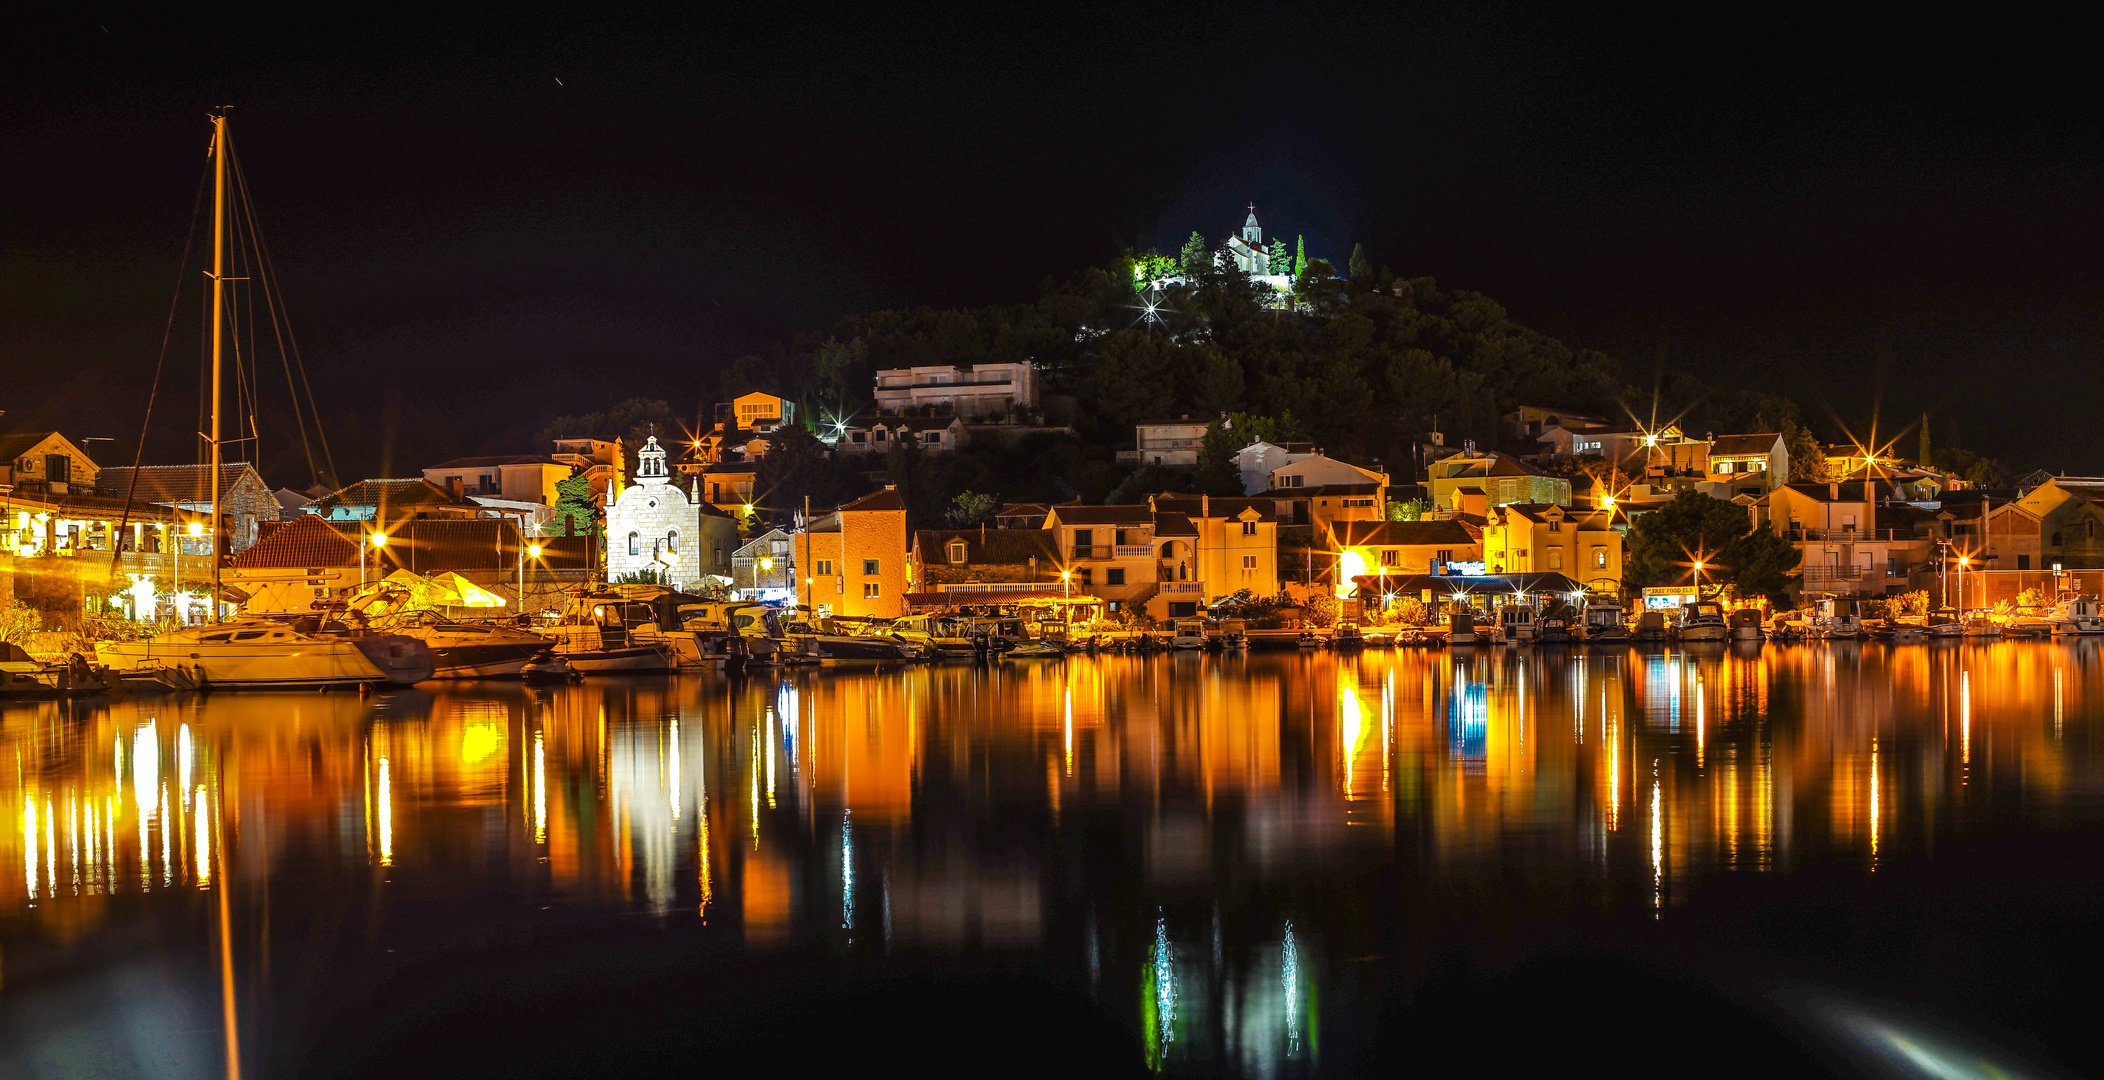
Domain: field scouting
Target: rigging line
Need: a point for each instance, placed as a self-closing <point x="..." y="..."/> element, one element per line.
<point x="281" y="325"/>
<point x="138" y="453"/>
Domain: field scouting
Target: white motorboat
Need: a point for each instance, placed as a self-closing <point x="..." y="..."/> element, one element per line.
<point x="1838" y="618"/>
<point x="470" y="650"/>
<point x="1745" y="624"/>
<point x="1981" y="625"/>
<point x="1516" y="623"/>
<point x="1939" y="624"/>
<point x="1190" y="634"/>
<point x="2076" y="615"/>
<point x="262" y="653"/>
<point x="1703" y="620"/>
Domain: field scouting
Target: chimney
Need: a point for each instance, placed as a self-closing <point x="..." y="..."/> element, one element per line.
<point x="1833" y="491"/>
<point x="453" y="486"/>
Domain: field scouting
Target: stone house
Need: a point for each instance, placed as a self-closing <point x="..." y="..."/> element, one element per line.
<point x="245" y="501"/>
<point x="44" y="463"/>
<point x="765" y="568"/>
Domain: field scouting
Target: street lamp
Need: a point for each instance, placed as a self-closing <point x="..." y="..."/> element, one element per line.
<point x="1066" y="584"/>
<point x="1963" y="562"/>
<point x="377" y="539"/>
<point x="766" y="565"/>
<point x="1698" y="579"/>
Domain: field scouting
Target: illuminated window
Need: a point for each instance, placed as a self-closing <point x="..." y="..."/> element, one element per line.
<point x="672" y="540"/>
<point x="1390" y="557"/>
<point x="1599" y="558"/>
<point x="1555" y="558"/>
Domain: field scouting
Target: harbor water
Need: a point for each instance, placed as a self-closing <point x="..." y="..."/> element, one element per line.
<point x="1820" y="859"/>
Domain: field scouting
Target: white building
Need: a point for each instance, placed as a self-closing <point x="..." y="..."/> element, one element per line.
<point x="966" y="390"/>
<point x="655" y="526"/>
<point x="1172" y="444"/>
<point x="1257" y="461"/>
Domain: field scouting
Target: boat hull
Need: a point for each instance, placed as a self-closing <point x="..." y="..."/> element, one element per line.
<point x="383" y="658"/>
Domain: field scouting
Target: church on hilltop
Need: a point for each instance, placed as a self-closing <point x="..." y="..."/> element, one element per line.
<point x="1271" y="266"/>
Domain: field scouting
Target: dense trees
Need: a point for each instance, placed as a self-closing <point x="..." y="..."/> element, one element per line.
<point x="1664" y="545"/>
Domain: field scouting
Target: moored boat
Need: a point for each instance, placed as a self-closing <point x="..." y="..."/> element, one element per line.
<point x="1745" y="624"/>
<point x="263" y="653"/>
<point x="1703" y="620"/>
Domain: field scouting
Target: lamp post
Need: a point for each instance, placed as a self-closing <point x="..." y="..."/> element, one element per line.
<point x="1698" y="579"/>
<point x="1066" y="585"/>
<point x="378" y="540"/>
<point x="1963" y="562"/>
<point x="766" y="566"/>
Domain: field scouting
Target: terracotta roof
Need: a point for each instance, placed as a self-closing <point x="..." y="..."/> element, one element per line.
<point x="1266" y="508"/>
<point x="1023" y="510"/>
<point x="1401" y="533"/>
<point x="887" y="499"/>
<point x="16" y="443"/>
<point x="1729" y="445"/>
<point x="304" y="541"/>
<point x="501" y="459"/>
<point x="1321" y="490"/>
<point x="1104" y="515"/>
<point x="994" y="547"/>
<point x="413" y="491"/>
<point x="170" y="484"/>
<point x="1173" y="525"/>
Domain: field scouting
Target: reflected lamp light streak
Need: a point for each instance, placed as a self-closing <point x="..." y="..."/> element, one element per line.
<point x="29" y="843"/>
<point x="1658" y="844"/>
<point x="185" y="759"/>
<point x="1351" y="725"/>
<point x="540" y="790"/>
<point x="1289" y="978"/>
<point x="847" y="870"/>
<point x="672" y="772"/>
<point x="768" y="737"/>
<point x="383" y="810"/>
<point x="1965" y="717"/>
<point x="203" y="830"/>
<point x="1875" y="808"/>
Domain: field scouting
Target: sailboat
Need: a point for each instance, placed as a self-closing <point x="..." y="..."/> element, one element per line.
<point x="256" y="653"/>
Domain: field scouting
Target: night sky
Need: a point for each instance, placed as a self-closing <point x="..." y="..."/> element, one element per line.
<point x="504" y="221"/>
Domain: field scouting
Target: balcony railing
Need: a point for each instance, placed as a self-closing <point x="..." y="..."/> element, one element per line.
<point x="1170" y="444"/>
<point x="1850" y="536"/>
<point x="1180" y="588"/>
<point x="1113" y="551"/>
<point x="996" y="586"/>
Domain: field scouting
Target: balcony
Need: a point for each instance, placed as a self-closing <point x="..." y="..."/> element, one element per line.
<point x="1113" y="551"/>
<point x="1846" y="536"/>
<point x="1170" y="444"/>
<point x="1183" y="588"/>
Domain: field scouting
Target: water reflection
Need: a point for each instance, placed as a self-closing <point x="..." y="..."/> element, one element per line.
<point x="1194" y="828"/>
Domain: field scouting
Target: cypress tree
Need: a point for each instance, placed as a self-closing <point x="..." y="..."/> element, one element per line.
<point x="1926" y="460"/>
<point x="1300" y="259"/>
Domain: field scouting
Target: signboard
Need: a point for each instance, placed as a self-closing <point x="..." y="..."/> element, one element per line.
<point x="1668" y="597"/>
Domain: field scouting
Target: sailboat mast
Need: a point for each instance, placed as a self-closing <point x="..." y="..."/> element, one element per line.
<point x="219" y="151"/>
